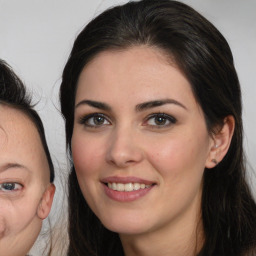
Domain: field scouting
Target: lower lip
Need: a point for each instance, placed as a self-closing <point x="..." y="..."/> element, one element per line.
<point x="123" y="196"/>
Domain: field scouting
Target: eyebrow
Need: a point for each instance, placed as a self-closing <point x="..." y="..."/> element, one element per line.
<point x="8" y="166"/>
<point x="157" y="103"/>
<point x="95" y="104"/>
<point x="139" y="107"/>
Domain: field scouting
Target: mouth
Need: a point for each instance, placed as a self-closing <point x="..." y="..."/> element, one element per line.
<point x="127" y="187"/>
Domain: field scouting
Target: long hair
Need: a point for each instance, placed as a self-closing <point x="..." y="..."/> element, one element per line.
<point x="204" y="57"/>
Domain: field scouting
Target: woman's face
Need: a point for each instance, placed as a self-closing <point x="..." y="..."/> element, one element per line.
<point x="24" y="183"/>
<point x="140" y="142"/>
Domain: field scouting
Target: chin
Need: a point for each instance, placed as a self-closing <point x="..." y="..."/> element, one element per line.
<point x="130" y="225"/>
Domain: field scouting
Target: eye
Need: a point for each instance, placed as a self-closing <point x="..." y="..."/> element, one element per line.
<point x="94" y="120"/>
<point x="160" y="120"/>
<point x="10" y="186"/>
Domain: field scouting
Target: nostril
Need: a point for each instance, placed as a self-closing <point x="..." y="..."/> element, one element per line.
<point x="124" y="159"/>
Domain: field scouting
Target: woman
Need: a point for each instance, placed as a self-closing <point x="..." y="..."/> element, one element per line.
<point x="26" y="169"/>
<point x="152" y="106"/>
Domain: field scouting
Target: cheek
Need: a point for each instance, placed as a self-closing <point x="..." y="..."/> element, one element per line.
<point x="178" y="156"/>
<point x="167" y="158"/>
<point x="15" y="218"/>
<point x="87" y="154"/>
<point x="16" y="214"/>
<point x="2" y="225"/>
<point x="88" y="157"/>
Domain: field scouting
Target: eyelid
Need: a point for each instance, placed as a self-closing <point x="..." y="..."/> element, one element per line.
<point x="163" y="115"/>
<point x="170" y="118"/>
<point x="82" y="120"/>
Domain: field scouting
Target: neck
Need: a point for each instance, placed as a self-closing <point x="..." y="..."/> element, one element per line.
<point x="183" y="237"/>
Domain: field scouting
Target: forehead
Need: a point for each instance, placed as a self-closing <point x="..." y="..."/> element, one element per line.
<point x="20" y="141"/>
<point x="143" y="72"/>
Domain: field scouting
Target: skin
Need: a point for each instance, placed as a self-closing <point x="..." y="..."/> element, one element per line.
<point x="28" y="198"/>
<point x="130" y="142"/>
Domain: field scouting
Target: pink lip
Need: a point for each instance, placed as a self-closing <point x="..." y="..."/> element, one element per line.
<point x="124" y="196"/>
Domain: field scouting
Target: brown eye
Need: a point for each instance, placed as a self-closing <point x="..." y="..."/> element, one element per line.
<point x="98" y="120"/>
<point x="94" y="120"/>
<point x="160" y="120"/>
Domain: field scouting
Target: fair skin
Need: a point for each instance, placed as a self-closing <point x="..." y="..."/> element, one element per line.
<point x="138" y="127"/>
<point x="26" y="194"/>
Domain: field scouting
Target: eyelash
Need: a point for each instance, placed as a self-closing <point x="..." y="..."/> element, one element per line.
<point x="85" y="120"/>
<point x="14" y="186"/>
<point x="164" y="118"/>
<point x="92" y="117"/>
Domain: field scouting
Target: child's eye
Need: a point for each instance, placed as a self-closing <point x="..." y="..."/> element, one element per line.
<point x="10" y="186"/>
<point x="160" y="120"/>
<point x="94" y="120"/>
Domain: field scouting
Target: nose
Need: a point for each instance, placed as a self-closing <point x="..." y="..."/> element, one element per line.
<point x="124" y="148"/>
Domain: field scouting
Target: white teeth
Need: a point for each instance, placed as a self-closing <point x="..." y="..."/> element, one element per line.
<point x="136" y="186"/>
<point x="127" y="186"/>
<point x="120" y="187"/>
<point x="113" y="185"/>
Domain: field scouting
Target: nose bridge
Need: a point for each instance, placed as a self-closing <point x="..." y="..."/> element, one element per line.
<point x="123" y="149"/>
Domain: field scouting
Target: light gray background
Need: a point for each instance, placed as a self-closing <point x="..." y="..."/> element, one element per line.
<point x="36" y="37"/>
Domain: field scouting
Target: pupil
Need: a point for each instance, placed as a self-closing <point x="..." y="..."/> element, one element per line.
<point x="160" y="120"/>
<point x="98" y="120"/>
<point x="8" y="186"/>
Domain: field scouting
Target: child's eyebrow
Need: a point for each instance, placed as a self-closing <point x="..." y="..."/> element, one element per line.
<point x="8" y="166"/>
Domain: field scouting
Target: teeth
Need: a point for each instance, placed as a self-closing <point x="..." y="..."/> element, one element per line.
<point x="113" y="185"/>
<point x="127" y="186"/>
<point x="136" y="186"/>
<point x="120" y="187"/>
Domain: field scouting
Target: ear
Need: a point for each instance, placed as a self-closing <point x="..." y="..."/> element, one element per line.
<point x="221" y="142"/>
<point x="45" y="205"/>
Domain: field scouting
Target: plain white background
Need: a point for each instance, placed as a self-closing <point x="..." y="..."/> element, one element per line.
<point x="36" y="37"/>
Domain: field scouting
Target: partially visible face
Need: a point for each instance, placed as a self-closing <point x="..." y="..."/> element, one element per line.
<point x="24" y="178"/>
<point x="140" y="142"/>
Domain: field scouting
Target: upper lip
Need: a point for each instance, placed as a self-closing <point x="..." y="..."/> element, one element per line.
<point x="124" y="180"/>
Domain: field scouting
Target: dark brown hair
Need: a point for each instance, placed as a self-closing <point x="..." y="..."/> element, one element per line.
<point x="204" y="56"/>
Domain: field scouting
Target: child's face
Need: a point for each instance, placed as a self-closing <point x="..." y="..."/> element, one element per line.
<point x="25" y="191"/>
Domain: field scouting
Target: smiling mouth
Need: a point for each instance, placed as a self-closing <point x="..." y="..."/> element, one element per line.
<point x="127" y="187"/>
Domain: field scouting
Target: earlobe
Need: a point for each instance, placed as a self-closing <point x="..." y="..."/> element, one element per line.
<point x="46" y="202"/>
<point x="221" y="142"/>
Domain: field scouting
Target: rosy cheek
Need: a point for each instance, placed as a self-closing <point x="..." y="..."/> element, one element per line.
<point x="165" y="153"/>
<point x="173" y="158"/>
<point x="86" y="156"/>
